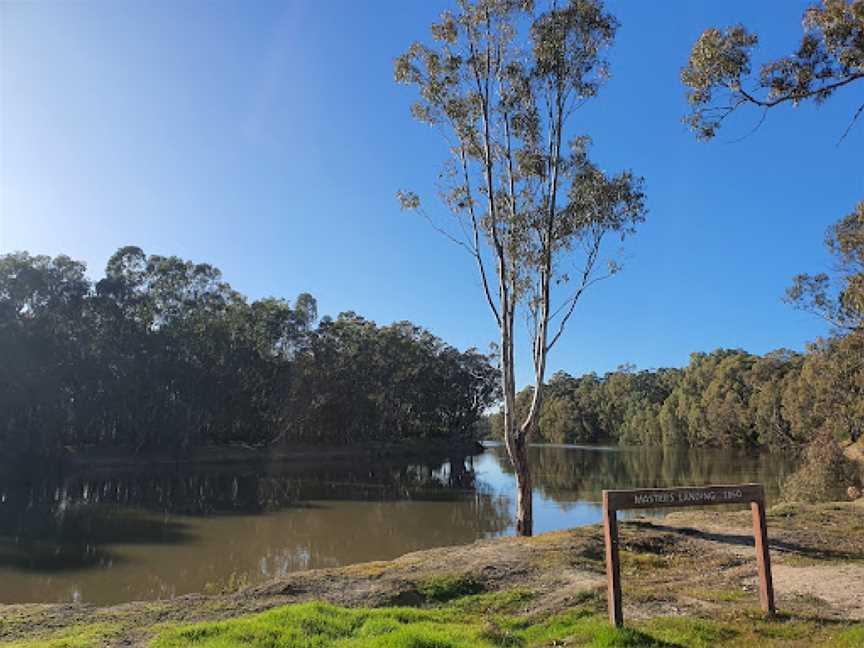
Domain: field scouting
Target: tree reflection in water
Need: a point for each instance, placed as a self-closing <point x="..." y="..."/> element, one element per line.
<point x="173" y="530"/>
<point x="569" y="475"/>
<point x="107" y="536"/>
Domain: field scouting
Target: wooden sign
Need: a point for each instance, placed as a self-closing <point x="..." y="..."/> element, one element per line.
<point x="641" y="498"/>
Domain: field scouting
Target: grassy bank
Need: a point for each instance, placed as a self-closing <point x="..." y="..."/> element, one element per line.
<point x="689" y="580"/>
<point x="488" y="621"/>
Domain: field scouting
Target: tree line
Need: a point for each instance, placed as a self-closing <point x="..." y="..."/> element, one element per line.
<point x="726" y="398"/>
<point x="162" y="353"/>
<point x="730" y="397"/>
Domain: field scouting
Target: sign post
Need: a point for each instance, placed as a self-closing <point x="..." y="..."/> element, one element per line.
<point x="642" y="498"/>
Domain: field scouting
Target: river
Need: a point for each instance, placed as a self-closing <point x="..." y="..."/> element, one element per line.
<point x="110" y="536"/>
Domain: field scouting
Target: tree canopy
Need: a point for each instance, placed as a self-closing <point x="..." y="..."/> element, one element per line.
<point x="719" y="79"/>
<point x="163" y="353"/>
<point x="826" y="397"/>
<point x="726" y="398"/>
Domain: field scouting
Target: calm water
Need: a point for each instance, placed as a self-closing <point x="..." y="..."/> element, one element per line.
<point x="113" y="536"/>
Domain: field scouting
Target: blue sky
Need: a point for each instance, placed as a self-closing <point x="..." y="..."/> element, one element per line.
<point x="269" y="139"/>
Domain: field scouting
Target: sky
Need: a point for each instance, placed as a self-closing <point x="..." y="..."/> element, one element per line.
<point x="269" y="139"/>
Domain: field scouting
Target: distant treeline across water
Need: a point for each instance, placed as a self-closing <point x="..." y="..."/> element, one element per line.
<point x="161" y="353"/>
<point x="724" y="398"/>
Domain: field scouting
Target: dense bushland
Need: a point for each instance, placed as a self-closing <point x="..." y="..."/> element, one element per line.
<point x="162" y="353"/>
<point x="723" y="398"/>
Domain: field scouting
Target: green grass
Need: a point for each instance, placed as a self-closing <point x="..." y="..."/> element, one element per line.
<point x="440" y="589"/>
<point x="751" y="629"/>
<point x="721" y="595"/>
<point x="509" y="602"/>
<point x="693" y="633"/>
<point x="489" y="620"/>
<point x="81" y="636"/>
<point x="582" y="628"/>
<point x="639" y="561"/>
<point x="314" y="625"/>
<point x="850" y="638"/>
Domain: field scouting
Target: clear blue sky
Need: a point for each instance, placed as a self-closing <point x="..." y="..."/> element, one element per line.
<point x="269" y="139"/>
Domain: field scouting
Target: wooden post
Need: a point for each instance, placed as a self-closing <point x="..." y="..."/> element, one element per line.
<point x="763" y="559"/>
<point x="613" y="567"/>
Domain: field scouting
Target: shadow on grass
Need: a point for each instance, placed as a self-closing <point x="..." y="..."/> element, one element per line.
<point x="630" y="638"/>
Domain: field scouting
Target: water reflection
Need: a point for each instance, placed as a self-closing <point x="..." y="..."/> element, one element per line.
<point x="569" y="480"/>
<point x="571" y="473"/>
<point x="110" y="536"/>
<point x="172" y="531"/>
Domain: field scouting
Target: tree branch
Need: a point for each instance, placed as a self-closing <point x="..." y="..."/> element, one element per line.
<point x="753" y="130"/>
<point x="444" y="232"/>
<point x="475" y="226"/>
<point x="799" y="96"/>
<point x="851" y="124"/>
<point x="586" y="282"/>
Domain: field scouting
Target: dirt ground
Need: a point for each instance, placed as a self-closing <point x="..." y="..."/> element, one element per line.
<point x="688" y="563"/>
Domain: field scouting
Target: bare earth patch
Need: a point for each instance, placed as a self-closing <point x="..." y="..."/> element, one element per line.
<point x="840" y="587"/>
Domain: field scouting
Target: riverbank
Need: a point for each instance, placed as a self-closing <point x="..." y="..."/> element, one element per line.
<point x="123" y="457"/>
<point x="689" y="580"/>
<point x="119" y="457"/>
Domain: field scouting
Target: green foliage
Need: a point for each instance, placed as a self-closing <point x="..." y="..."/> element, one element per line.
<point x="828" y="393"/>
<point x="718" y="73"/>
<point x="724" y="398"/>
<point x="839" y="299"/>
<point x="502" y="78"/>
<point x="163" y="354"/>
<point x="833" y="376"/>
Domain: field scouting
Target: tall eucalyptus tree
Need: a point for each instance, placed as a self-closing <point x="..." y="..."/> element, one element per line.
<point x="502" y="81"/>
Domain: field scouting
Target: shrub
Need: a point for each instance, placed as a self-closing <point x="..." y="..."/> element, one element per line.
<point x="825" y="473"/>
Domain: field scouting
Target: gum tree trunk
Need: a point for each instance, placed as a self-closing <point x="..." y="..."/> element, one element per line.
<point x="515" y="437"/>
<point x="524" y="500"/>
